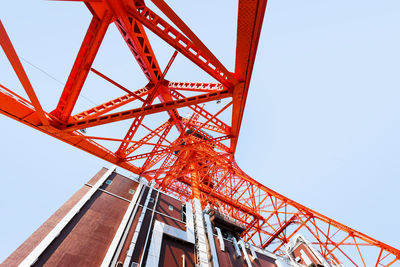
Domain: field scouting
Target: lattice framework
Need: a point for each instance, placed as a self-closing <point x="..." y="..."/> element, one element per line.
<point x="193" y="162"/>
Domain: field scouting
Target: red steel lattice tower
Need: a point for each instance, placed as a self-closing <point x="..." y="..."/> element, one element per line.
<point x="180" y="155"/>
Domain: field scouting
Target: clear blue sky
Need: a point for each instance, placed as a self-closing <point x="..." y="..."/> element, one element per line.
<point x="321" y="124"/>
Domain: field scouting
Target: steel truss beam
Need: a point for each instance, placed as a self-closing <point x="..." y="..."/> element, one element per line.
<point x="86" y="55"/>
<point x="189" y="162"/>
<point x="177" y="40"/>
<point x="195" y="87"/>
<point x="20" y="109"/>
<point x="12" y="56"/>
<point x="110" y="105"/>
<point x="147" y="110"/>
<point x="270" y="218"/>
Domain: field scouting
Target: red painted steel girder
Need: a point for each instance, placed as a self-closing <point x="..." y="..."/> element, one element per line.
<point x="270" y="219"/>
<point x="190" y="156"/>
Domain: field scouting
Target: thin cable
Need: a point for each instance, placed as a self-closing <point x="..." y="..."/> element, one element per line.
<point x="55" y="79"/>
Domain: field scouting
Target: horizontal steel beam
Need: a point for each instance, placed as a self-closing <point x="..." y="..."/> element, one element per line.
<point x="20" y="109"/>
<point x="147" y="110"/>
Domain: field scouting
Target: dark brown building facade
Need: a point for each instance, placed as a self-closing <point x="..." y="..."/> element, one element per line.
<point x="117" y="221"/>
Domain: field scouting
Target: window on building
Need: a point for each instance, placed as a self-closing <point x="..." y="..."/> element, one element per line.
<point x="183" y="213"/>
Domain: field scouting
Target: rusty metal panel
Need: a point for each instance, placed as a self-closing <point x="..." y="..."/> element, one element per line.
<point x="140" y="243"/>
<point x="172" y="251"/>
<point x="95" y="178"/>
<point x="143" y="199"/>
<point x="131" y="232"/>
<point x="263" y="261"/>
<point x="166" y="202"/>
<point x="153" y="201"/>
<point x="25" y="248"/>
<point x="228" y="257"/>
<point x="137" y="253"/>
<point x="86" y="238"/>
<point x="120" y="185"/>
<point x="130" y="235"/>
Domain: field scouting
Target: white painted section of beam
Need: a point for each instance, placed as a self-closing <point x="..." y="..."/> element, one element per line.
<point x="39" y="249"/>
<point x="297" y="239"/>
<point x="117" y="237"/>
<point x="265" y="252"/>
<point x="235" y="245"/>
<point x="177" y="233"/>
<point x="253" y="253"/>
<point x="159" y="230"/>
<point x="305" y="257"/>
<point x="137" y="229"/>
<point x="211" y="240"/>
<point x="150" y="224"/>
<point x="189" y="222"/>
<point x="153" y="256"/>
<point x="128" y="227"/>
<point x="246" y="256"/>
<point x="201" y="244"/>
<point x="220" y="239"/>
<point x="279" y="263"/>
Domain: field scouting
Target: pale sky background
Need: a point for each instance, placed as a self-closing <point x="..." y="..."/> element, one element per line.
<point x="321" y="124"/>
